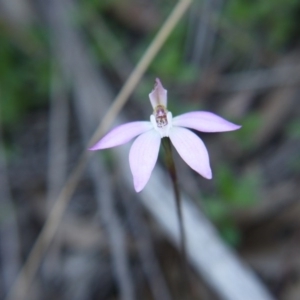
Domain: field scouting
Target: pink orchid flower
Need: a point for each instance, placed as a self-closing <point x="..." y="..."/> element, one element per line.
<point x="144" y="150"/>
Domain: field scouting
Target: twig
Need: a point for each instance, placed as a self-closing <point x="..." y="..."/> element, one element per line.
<point x="44" y="239"/>
<point x="280" y="76"/>
<point x="116" y="57"/>
<point x="115" y="232"/>
<point x="57" y="157"/>
<point x="150" y="264"/>
<point x="210" y="36"/>
<point x="85" y="109"/>
<point x="58" y="133"/>
<point x="201" y="30"/>
<point x="9" y="236"/>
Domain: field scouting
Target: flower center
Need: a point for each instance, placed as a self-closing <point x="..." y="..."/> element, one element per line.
<point x="161" y="120"/>
<point x="160" y="113"/>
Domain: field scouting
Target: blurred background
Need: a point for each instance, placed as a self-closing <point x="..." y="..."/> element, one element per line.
<point x="239" y="59"/>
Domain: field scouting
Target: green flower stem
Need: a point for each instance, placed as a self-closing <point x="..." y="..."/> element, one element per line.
<point x="172" y="171"/>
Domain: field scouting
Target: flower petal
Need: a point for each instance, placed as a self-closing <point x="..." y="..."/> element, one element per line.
<point x="158" y="96"/>
<point x="204" y="121"/>
<point x="142" y="157"/>
<point x="192" y="150"/>
<point x="122" y="134"/>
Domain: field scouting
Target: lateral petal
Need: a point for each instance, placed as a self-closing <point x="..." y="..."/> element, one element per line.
<point x="122" y="134"/>
<point x="204" y="121"/>
<point x="142" y="157"/>
<point x="192" y="150"/>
